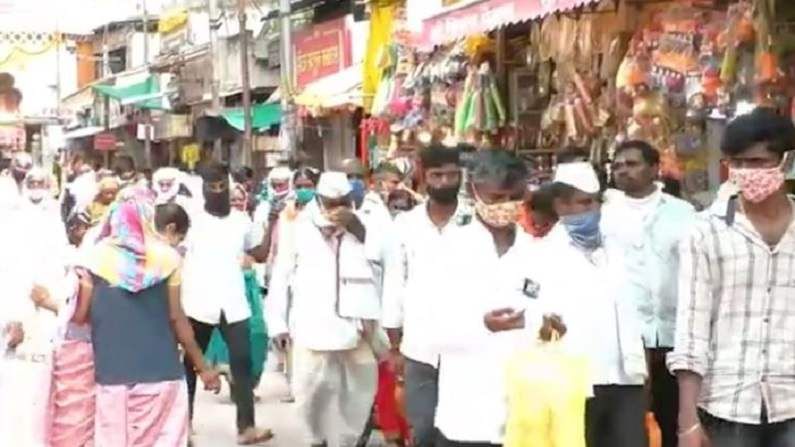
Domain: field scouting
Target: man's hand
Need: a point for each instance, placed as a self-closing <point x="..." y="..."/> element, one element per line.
<point x="248" y="262"/>
<point x="282" y="342"/>
<point x="211" y="380"/>
<point x="15" y="334"/>
<point x="506" y="319"/>
<point x="693" y="437"/>
<point x="342" y="217"/>
<point x="40" y="295"/>
<point x="551" y="324"/>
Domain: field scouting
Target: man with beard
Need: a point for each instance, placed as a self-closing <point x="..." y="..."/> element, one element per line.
<point x="410" y="274"/>
<point x="213" y="290"/>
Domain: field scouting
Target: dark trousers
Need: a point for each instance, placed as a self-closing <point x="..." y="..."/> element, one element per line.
<point x="444" y="442"/>
<point x="421" y="383"/>
<point x="236" y="336"/>
<point x="724" y="433"/>
<point x="664" y="396"/>
<point x="614" y="417"/>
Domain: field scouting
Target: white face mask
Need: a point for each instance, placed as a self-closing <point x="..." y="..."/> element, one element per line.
<point x="35" y="195"/>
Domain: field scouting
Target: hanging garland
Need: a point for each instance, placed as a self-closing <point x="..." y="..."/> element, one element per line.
<point x="18" y="50"/>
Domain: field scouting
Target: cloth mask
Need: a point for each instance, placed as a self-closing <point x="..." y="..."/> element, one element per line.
<point x="756" y="185"/>
<point x="304" y="195"/>
<point x="357" y="191"/>
<point x="584" y="229"/>
<point x="498" y="215"/>
<point x="36" y="195"/>
<point x="217" y="204"/>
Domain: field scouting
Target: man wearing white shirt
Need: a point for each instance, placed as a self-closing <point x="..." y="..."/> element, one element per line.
<point x="583" y="278"/>
<point x="649" y="224"/>
<point x="483" y="274"/>
<point x="213" y="289"/>
<point x="409" y="286"/>
<point x="329" y="274"/>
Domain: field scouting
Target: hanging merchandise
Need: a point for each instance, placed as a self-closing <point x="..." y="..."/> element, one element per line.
<point x="480" y="110"/>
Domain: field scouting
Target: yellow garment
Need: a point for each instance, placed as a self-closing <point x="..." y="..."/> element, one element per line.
<point x="547" y="389"/>
<point x="381" y="20"/>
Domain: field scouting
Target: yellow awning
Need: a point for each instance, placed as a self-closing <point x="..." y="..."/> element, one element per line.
<point x="342" y="89"/>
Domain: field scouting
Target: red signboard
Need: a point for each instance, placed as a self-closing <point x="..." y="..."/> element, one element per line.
<point x="321" y="50"/>
<point x="487" y="15"/>
<point x="105" y="141"/>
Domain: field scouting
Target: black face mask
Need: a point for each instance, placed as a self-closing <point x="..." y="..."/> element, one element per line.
<point x="217" y="203"/>
<point x="19" y="176"/>
<point x="446" y="196"/>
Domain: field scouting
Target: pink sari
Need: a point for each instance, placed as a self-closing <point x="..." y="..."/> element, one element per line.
<point x="142" y="415"/>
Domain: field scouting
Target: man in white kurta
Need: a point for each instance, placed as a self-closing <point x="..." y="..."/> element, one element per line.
<point x="334" y="306"/>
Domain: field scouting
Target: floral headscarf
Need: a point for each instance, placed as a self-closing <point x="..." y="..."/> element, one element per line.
<point x="129" y="254"/>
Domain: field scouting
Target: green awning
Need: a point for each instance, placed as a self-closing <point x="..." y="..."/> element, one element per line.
<point x="147" y="91"/>
<point x="262" y="116"/>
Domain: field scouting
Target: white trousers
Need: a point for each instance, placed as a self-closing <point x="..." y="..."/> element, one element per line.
<point x="334" y="385"/>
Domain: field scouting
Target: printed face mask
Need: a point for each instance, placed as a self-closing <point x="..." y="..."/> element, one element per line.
<point x="497" y="215"/>
<point x="756" y="185"/>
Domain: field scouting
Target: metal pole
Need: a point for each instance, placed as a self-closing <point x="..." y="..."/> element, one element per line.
<point x="288" y="120"/>
<point x="246" y="83"/>
<point x="147" y="117"/>
<point x="212" y="9"/>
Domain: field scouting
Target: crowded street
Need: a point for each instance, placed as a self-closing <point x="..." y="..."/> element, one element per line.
<point x="397" y="223"/>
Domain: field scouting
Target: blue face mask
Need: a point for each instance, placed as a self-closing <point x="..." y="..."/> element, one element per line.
<point x="584" y="228"/>
<point x="357" y="191"/>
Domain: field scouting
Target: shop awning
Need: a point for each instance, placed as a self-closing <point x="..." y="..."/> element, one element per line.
<point x="262" y="116"/>
<point x="486" y="15"/>
<point x="143" y="94"/>
<point x="341" y="89"/>
<point x="82" y="132"/>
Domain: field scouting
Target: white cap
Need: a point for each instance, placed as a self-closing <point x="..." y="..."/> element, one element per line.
<point x="333" y="185"/>
<point x="579" y="175"/>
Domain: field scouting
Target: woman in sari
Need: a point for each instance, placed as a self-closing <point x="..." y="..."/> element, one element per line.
<point x="130" y="293"/>
<point x="217" y="353"/>
<point x="71" y="400"/>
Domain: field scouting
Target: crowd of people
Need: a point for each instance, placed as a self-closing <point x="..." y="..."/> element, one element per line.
<point x="414" y="313"/>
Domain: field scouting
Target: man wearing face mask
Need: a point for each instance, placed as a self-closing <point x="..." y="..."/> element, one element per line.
<point x="586" y="280"/>
<point x="649" y="224"/>
<point x="409" y="286"/>
<point x="734" y="339"/>
<point x="481" y="278"/>
<point x="332" y="312"/>
<point x="213" y="289"/>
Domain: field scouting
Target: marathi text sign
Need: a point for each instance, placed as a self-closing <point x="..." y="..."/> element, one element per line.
<point x="321" y="50"/>
<point x="487" y="15"/>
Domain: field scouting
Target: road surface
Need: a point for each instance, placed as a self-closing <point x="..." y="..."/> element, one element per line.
<point x="214" y="421"/>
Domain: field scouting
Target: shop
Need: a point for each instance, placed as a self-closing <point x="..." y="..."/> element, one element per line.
<point x="537" y="77"/>
<point x="328" y="95"/>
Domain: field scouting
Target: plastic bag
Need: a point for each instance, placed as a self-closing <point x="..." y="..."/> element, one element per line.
<point x="547" y="388"/>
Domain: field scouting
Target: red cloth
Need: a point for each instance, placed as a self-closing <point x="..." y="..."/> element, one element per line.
<point x="389" y="414"/>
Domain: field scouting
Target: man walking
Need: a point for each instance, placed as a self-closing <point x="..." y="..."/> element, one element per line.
<point x="213" y="290"/>
<point x="411" y="272"/>
<point x="734" y="344"/>
<point x="334" y="306"/>
<point x="649" y="224"/>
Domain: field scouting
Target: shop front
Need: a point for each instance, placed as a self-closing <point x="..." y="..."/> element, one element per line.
<point x="537" y="77"/>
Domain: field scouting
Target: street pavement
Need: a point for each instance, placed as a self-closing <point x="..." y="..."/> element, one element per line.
<point x="214" y="419"/>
